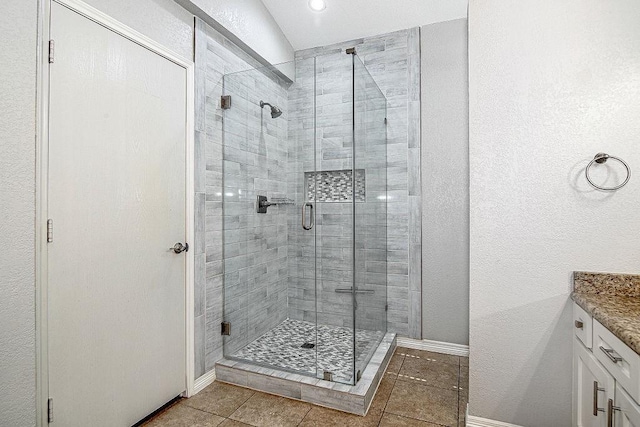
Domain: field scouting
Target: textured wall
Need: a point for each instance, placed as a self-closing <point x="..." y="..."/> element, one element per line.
<point x="445" y="182"/>
<point x="249" y="23"/>
<point x="393" y="60"/>
<point x="161" y="20"/>
<point x="17" y="198"/>
<point x="551" y="84"/>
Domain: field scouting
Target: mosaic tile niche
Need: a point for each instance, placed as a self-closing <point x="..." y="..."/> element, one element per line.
<point x="335" y="186"/>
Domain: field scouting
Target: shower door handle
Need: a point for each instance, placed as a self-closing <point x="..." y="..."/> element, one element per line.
<point x="304" y="216"/>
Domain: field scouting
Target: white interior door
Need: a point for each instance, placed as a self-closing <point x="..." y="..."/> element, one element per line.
<point x="117" y="200"/>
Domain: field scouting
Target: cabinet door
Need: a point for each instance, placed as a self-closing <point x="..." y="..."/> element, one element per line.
<point x="593" y="386"/>
<point x="628" y="411"/>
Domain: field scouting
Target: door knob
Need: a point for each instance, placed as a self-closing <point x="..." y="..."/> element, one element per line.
<point x="179" y="248"/>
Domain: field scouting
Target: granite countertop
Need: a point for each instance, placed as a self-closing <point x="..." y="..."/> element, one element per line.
<point x="618" y="313"/>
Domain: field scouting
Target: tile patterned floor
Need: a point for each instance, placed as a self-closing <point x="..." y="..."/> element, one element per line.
<point x="281" y="349"/>
<point x="419" y="389"/>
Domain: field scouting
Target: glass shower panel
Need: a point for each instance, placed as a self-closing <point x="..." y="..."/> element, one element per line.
<point x="329" y="186"/>
<point x="370" y="213"/>
<point x="302" y="301"/>
<point x="256" y="241"/>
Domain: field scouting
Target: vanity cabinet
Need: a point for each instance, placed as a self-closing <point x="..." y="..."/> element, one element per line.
<point x="626" y="412"/>
<point x="593" y="387"/>
<point x="606" y="376"/>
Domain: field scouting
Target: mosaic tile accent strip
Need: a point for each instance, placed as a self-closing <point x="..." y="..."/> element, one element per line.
<point x="606" y="283"/>
<point x="281" y="348"/>
<point x="334" y="186"/>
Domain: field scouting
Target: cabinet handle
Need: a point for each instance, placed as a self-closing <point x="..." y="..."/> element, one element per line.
<point x="596" y="389"/>
<point x="579" y="324"/>
<point x="611" y="354"/>
<point x="611" y="408"/>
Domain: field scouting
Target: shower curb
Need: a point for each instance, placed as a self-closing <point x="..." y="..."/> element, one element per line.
<point x="352" y="399"/>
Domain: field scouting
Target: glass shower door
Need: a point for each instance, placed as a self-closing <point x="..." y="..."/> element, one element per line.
<point x="329" y="186"/>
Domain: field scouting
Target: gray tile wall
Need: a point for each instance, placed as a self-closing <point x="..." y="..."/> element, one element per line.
<point x="393" y="61"/>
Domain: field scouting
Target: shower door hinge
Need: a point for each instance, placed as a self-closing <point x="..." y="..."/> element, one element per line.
<point x="49" y="230"/>
<point x="386" y="307"/>
<point x="50" y="410"/>
<point x="385" y="120"/>
<point x="225" y="328"/>
<point x="225" y="102"/>
<point x="327" y="376"/>
<point x="351" y="51"/>
<point x="51" y="51"/>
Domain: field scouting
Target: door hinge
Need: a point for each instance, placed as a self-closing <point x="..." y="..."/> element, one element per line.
<point x="50" y="410"/>
<point x="225" y="328"/>
<point x="225" y="102"/>
<point x="49" y="230"/>
<point x="52" y="46"/>
<point x="386" y="307"/>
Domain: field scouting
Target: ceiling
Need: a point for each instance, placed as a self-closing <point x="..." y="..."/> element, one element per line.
<point x="345" y="20"/>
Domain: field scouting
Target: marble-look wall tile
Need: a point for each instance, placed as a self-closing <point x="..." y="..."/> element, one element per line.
<point x="200" y="283"/>
<point x="199" y="341"/>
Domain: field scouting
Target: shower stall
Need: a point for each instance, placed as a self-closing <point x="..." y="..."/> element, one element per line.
<point x="305" y="218"/>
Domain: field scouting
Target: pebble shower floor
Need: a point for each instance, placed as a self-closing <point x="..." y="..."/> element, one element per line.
<point x="281" y="348"/>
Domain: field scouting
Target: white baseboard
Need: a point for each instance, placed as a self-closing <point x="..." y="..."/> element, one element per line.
<point x="204" y="381"/>
<point x="435" y="346"/>
<point x="485" y="422"/>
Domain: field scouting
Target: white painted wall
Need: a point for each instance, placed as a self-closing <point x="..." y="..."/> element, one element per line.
<point x="445" y="182"/>
<point x="551" y="84"/>
<point x="353" y="19"/>
<point x="162" y="20"/>
<point x="249" y="24"/>
<point x="17" y="203"/>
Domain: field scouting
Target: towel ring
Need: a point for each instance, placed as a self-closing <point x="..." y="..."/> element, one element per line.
<point x="602" y="158"/>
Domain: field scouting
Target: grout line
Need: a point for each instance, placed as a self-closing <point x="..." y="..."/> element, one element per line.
<point x="305" y="415"/>
<point x="384" y="409"/>
<point x="241" y="405"/>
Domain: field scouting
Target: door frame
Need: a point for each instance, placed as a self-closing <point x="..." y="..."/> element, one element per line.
<point x="42" y="159"/>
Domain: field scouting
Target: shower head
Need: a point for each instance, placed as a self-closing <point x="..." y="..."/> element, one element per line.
<point x="275" y="111"/>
